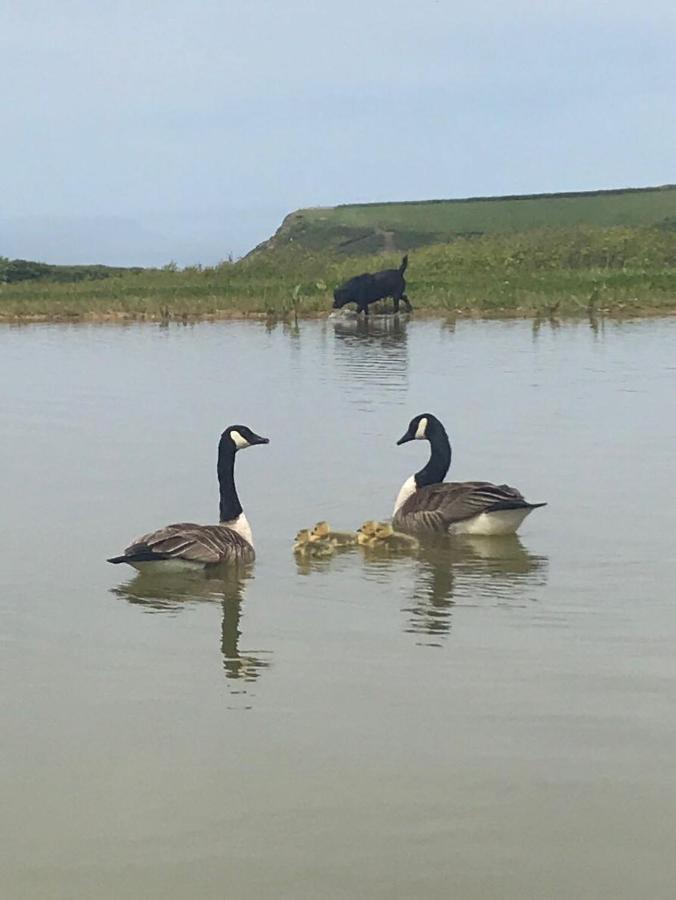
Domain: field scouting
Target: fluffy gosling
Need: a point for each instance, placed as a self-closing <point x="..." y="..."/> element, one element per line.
<point x="322" y="531"/>
<point x="383" y="536"/>
<point x="309" y="544"/>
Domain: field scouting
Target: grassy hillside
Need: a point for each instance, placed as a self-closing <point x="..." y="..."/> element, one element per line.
<point x="569" y="270"/>
<point x="359" y="229"/>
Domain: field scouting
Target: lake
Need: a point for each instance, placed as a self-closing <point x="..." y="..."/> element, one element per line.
<point x="490" y="718"/>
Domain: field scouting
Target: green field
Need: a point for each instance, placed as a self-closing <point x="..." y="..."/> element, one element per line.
<point x="618" y="270"/>
<point x="610" y="251"/>
<point x="374" y="227"/>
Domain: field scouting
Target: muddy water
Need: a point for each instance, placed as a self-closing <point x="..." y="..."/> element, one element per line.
<point x="484" y="719"/>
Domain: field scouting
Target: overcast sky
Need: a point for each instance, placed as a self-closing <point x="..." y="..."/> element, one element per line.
<point x="140" y="131"/>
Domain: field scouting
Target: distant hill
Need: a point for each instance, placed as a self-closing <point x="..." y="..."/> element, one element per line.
<point x="363" y="228"/>
<point x="13" y="271"/>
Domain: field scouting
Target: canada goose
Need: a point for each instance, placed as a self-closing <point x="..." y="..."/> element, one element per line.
<point x="425" y="502"/>
<point x="308" y="544"/>
<point x="302" y="538"/>
<point x="387" y="537"/>
<point x="383" y="536"/>
<point x="323" y="531"/>
<point x="306" y="538"/>
<point x="189" y="546"/>
<point x="367" y="531"/>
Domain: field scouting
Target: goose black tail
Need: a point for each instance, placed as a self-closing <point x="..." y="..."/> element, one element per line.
<point x="139" y="556"/>
<point x="512" y="504"/>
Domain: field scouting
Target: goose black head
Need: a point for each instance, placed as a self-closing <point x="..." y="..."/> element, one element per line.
<point x="421" y="428"/>
<point x="242" y="437"/>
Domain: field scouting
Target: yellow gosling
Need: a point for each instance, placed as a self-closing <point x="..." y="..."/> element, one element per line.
<point x="309" y="544"/>
<point x="301" y="540"/>
<point x="322" y="531"/>
<point x="366" y="532"/>
<point x="320" y="548"/>
<point x="370" y="526"/>
<point x="343" y="538"/>
<point x="399" y="541"/>
<point x="383" y="535"/>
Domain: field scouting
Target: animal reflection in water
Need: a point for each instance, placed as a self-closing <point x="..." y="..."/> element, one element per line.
<point x="371" y="354"/>
<point x="224" y="585"/>
<point x="445" y="572"/>
<point x="471" y="571"/>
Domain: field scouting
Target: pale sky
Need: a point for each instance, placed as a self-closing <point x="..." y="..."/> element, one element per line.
<point x="140" y="131"/>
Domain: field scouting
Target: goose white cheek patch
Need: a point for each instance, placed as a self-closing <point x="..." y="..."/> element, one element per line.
<point x="422" y="428"/>
<point x="240" y="442"/>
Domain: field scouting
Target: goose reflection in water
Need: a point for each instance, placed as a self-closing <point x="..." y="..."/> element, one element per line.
<point x="172" y="594"/>
<point x="384" y="368"/>
<point x="471" y="571"/>
<point x="443" y="573"/>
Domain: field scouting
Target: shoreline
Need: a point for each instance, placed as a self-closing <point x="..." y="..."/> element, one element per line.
<point x="424" y="313"/>
<point x="538" y="274"/>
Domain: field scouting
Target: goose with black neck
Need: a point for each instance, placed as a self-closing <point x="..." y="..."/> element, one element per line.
<point x="427" y="503"/>
<point x="187" y="546"/>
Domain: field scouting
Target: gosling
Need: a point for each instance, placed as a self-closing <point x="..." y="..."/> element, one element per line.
<point x="307" y="544"/>
<point x="322" y="531"/>
<point x="382" y="535"/>
<point x="367" y="532"/>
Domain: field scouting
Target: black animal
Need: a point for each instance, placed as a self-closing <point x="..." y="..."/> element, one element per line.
<point x="369" y="287"/>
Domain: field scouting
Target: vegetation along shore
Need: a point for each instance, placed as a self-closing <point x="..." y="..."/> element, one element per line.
<point x="602" y="252"/>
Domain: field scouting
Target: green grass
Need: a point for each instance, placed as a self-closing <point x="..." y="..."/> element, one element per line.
<point x="567" y="270"/>
<point x="368" y="228"/>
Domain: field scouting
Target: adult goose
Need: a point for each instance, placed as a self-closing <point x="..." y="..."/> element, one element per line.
<point x="189" y="546"/>
<point x="427" y="503"/>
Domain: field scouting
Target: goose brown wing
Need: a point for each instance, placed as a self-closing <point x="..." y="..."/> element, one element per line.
<point x="436" y="506"/>
<point x="205" y="544"/>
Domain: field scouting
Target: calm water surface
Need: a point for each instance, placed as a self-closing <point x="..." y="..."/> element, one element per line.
<point x="490" y="719"/>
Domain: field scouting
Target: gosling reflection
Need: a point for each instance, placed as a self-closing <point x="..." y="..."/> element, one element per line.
<point x="171" y="594"/>
<point x="470" y="571"/>
<point x="384" y="368"/>
<point x="322" y="558"/>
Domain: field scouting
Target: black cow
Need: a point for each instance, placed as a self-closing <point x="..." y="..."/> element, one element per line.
<point x="369" y="287"/>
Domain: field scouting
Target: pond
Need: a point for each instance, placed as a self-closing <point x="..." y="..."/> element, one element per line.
<point x="487" y="718"/>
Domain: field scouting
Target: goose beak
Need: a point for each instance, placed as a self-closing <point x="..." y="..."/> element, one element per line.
<point x="257" y="439"/>
<point x="405" y="439"/>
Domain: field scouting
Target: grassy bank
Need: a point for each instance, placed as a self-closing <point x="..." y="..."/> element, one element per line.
<point x="566" y="270"/>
